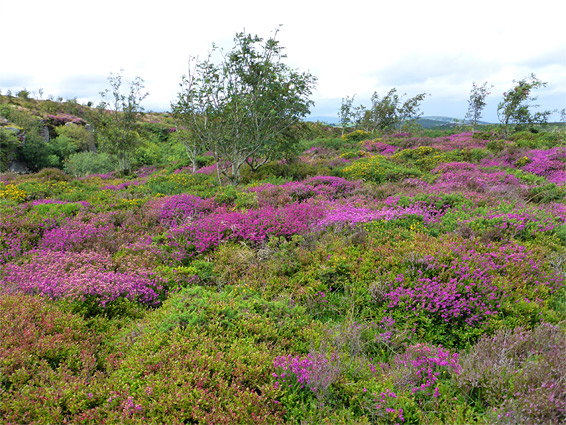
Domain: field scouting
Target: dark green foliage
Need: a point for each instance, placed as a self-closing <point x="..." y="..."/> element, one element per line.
<point x="243" y="107"/>
<point x="35" y="151"/>
<point x="61" y="148"/>
<point x="514" y="109"/>
<point x="9" y="144"/>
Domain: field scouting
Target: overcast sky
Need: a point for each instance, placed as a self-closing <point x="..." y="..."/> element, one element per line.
<point x="68" y="48"/>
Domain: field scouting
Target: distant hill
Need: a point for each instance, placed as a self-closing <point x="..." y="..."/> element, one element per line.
<point x="425" y="122"/>
<point x="327" y="120"/>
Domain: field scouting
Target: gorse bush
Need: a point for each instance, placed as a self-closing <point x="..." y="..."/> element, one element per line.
<point x="356" y="136"/>
<point x="378" y="169"/>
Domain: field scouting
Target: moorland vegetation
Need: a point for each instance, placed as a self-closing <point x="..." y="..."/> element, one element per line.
<point x="355" y="277"/>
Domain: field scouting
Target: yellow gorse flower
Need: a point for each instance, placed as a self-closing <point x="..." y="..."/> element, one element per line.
<point x="13" y="193"/>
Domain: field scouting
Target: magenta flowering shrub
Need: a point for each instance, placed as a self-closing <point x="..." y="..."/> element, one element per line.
<point x="492" y="162"/>
<point x="315" y="373"/>
<point x="459" y="141"/>
<point x="255" y="226"/>
<point x="146" y="171"/>
<point x="346" y="214"/>
<point x="547" y="163"/>
<point x="271" y="195"/>
<point x="558" y="211"/>
<point x="386" y="408"/>
<point x="20" y="233"/>
<point x="209" y="169"/>
<point x="380" y="147"/>
<point x="461" y="177"/>
<point x="418" y="374"/>
<point x="105" y="230"/>
<point x="321" y="187"/>
<point x="105" y="176"/>
<point x="122" y="185"/>
<point x="76" y="235"/>
<point x="421" y="367"/>
<point x="177" y="209"/>
<point x="472" y="284"/>
<point x="77" y="275"/>
<point x="62" y="119"/>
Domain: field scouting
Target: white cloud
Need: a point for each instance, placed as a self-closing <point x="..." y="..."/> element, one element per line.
<point x="439" y="47"/>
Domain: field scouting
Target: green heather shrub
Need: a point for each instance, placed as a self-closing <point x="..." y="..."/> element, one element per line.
<point x="547" y="193"/>
<point x="497" y="146"/>
<point x="474" y="155"/>
<point x="560" y="232"/>
<point x="85" y="163"/>
<point x="226" y="195"/>
<point x="237" y="310"/>
<point x="67" y="210"/>
<point x="357" y="136"/>
<point x="378" y="169"/>
<point x="173" y="184"/>
<point x="187" y="376"/>
<point x="540" y="140"/>
<point x="526" y="177"/>
<point x="216" y="349"/>
<point x="50" y="361"/>
<point x="53" y="174"/>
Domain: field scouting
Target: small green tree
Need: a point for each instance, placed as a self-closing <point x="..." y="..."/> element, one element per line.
<point x="515" y="108"/>
<point x="185" y="111"/>
<point x="476" y="103"/>
<point x="23" y="94"/>
<point x="383" y="114"/>
<point x="346" y="114"/>
<point x="117" y="117"/>
<point x="409" y="112"/>
<point x="242" y="106"/>
<point x="360" y="117"/>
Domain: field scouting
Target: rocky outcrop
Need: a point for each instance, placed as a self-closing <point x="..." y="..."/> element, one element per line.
<point x="18" y="167"/>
